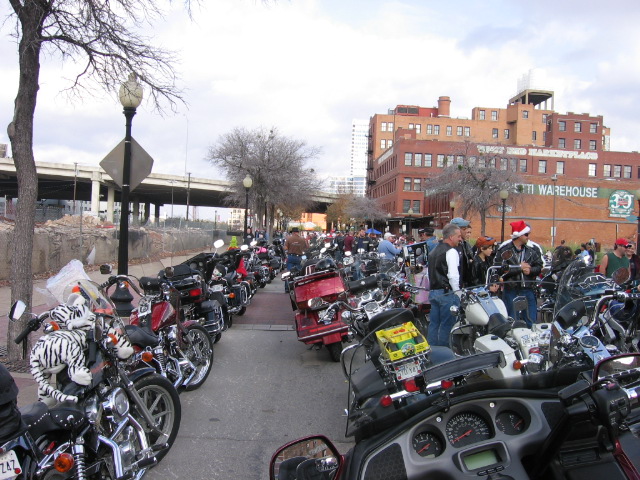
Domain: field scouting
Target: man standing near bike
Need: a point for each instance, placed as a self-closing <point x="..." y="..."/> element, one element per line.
<point x="520" y="281"/>
<point x="295" y="246"/>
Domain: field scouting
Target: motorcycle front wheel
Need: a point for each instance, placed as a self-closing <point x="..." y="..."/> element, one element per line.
<point x="162" y="399"/>
<point x="200" y="353"/>
<point x="335" y="349"/>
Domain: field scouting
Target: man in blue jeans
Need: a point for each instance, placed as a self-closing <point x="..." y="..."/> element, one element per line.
<point x="444" y="277"/>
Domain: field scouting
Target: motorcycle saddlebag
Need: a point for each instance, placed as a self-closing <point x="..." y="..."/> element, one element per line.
<point x="208" y="306"/>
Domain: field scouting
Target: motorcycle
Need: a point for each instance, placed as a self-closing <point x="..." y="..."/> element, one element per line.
<point x="178" y="349"/>
<point x="311" y="295"/>
<point x="120" y="424"/>
<point x="551" y="425"/>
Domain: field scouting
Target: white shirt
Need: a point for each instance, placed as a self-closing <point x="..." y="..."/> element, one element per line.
<point x="453" y="261"/>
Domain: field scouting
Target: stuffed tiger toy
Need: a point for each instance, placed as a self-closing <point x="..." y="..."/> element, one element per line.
<point x="65" y="348"/>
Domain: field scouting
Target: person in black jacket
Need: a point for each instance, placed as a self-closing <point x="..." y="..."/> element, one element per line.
<point x="482" y="261"/>
<point x="465" y="252"/>
<point x="520" y="281"/>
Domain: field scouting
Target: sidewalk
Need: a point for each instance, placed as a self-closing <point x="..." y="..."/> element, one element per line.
<point x="28" y="389"/>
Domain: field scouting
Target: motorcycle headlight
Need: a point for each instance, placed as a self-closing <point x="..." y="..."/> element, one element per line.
<point x="117" y="403"/>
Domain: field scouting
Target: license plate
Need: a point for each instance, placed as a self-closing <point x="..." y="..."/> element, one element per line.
<point x="217" y="288"/>
<point x="407" y="370"/>
<point x="8" y="465"/>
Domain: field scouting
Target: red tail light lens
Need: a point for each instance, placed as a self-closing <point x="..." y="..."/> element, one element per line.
<point x="446" y="384"/>
<point x="534" y="350"/>
<point x="195" y="292"/>
<point x="410" y="385"/>
<point x="386" y="401"/>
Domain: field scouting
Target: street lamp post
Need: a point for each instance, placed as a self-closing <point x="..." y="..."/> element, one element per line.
<point x="637" y="195"/>
<point x="504" y="194"/>
<point x="554" y="179"/>
<point x="410" y="212"/>
<point x="130" y="97"/>
<point x="247" y="182"/>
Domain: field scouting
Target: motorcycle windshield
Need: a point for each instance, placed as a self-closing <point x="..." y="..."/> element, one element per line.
<point x="579" y="282"/>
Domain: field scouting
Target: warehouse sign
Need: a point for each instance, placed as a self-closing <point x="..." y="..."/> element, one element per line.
<point x="536" y="152"/>
<point x="561" y="190"/>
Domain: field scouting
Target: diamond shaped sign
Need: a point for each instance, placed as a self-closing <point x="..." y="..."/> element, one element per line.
<point x="141" y="164"/>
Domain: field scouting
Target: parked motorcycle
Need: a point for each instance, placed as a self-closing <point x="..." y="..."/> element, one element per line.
<point x="178" y="349"/>
<point x="122" y="423"/>
<point x="551" y="425"/>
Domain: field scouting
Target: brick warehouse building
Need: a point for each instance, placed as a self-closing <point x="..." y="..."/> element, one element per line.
<point x="570" y="177"/>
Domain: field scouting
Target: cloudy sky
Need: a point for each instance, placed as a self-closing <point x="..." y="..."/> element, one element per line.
<point x="308" y="67"/>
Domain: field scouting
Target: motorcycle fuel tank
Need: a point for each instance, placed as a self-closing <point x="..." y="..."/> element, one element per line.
<point x="491" y="343"/>
<point x="479" y="311"/>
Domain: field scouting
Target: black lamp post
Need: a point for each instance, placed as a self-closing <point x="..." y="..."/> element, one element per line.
<point x="410" y="212"/>
<point x="637" y="195"/>
<point x="504" y="194"/>
<point x="130" y="98"/>
<point x="247" y="182"/>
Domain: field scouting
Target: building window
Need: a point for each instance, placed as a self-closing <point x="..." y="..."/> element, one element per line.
<point x="513" y="164"/>
<point x="449" y="162"/>
<point x="545" y="117"/>
<point x="449" y="130"/>
<point x="606" y="171"/>
<point x="483" y="115"/>
<point x="472" y="161"/>
<point x="577" y="144"/>
<point x="429" y="129"/>
<point x="523" y="165"/>
<point x="593" y="128"/>
<point x="427" y="160"/>
<point x="593" y="144"/>
<point x="482" y="162"/>
<point x="467" y="131"/>
<point x="492" y="162"/>
<point x="494" y="133"/>
<point x="506" y="133"/>
<point x="440" y="160"/>
<point x="417" y="159"/>
<point x="560" y="168"/>
<point x="418" y="128"/>
<point x="383" y="127"/>
<point x="542" y="166"/>
<point x="626" y="172"/>
<point x="544" y="137"/>
<point x="417" y="184"/>
<point x="577" y="127"/>
<point x="383" y="144"/>
<point x="389" y="143"/>
<point x="416" y="206"/>
<point x="406" y="205"/>
<point x="459" y="131"/>
<point x="525" y="114"/>
<point x="504" y="164"/>
<point x="460" y="160"/>
<point x="592" y="169"/>
<point x="534" y="135"/>
<point x="390" y="127"/>
<point x="411" y="126"/>
<point x="407" y="184"/>
<point x="562" y="125"/>
<point x="562" y="143"/>
<point x="408" y="159"/>
<point x="436" y="129"/>
<point x="617" y="171"/>
<point x="494" y="115"/>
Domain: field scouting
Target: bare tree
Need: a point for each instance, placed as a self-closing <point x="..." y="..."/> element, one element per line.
<point x="99" y="38"/>
<point x="477" y="180"/>
<point x="277" y="166"/>
<point x="365" y="209"/>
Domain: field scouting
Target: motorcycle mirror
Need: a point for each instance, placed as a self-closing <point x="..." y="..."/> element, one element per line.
<point x="315" y="302"/>
<point x="624" y="368"/>
<point x="620" y="276"/>
<point x="300" y="459"/>
<point x="347" y="254"/>
<point x="168" y="272"/>
<point x="285" y="275"/>
<point x="106" y="269"/>
<point x="218" y="243"/>
<point x="323" y="249"/>
<point x="507" y="254"/>
<point x="17" y="310"/>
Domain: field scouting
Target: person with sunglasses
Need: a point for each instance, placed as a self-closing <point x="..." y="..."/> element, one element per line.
<point x="522" y="281"/>
<point x="483" y="260"/>
<point x="615" y="259"/>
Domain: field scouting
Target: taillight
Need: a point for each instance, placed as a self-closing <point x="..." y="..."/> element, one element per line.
<point x="446" y="384"/>
<point x="534" y="350"/>
<point x="410" y="385"/>
<point x="64" y="462"/>
<point x="195" y="292"/>
<point x="386" y="401"/>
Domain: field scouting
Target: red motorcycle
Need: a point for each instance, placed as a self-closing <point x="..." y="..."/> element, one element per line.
<point x="313" y="295"/>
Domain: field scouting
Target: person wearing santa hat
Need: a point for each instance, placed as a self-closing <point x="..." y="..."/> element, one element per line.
<point x="521" y="281"/>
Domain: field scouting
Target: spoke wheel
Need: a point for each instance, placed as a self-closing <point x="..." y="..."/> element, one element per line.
<point x="200" y="353"/>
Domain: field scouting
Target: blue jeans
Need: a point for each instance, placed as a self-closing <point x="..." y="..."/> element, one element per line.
<point x="532" y="308"/>
<point x="441" y="320"/>
<point x="294" y="261"/>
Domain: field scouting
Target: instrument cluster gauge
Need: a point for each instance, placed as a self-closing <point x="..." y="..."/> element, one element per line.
<point x="466" y="429"/>
<point x="427" y="444"/>
<point x="589" y="341"/>
<point x="510" y="422"/>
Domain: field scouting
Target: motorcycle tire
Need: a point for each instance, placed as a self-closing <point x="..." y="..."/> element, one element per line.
<point x="163" y="401"/>
<point x="241" y="311"/>
<point x="335" y="349"/>
<point x="200" y="352"/>
<point x="217" y="337"/>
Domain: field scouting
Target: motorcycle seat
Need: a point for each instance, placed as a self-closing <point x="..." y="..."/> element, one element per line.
<point x="142" y="337"/>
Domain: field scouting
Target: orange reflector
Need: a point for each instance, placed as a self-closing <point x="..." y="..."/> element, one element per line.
<point x="232" y="295"/>
<point x="517" y="364"/>
<point x="113" y="338"/>
<point x="75" y="289"/>
<point x="54" y="325"/>
<point x="50" y="448"/>
<point x="147" y="357"/>
<point x="386" y="401"/>
<point x="410" y="385"/>
<point x="64" y="462"/>
<point x="446" y="384"/>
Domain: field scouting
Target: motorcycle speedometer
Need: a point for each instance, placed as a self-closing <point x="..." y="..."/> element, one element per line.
<point x="589" y="341"/>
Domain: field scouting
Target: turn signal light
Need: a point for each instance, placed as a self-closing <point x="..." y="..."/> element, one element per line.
<point x="232" y="295"/>
<point x="517" y="364"/>
<point x="64" y="462"/>
<point x="147" y="357"/>
<point x="410" y="385"/>
<point x="386" y="401"/>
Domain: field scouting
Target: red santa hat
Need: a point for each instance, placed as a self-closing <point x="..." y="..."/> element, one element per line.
<point x="519" y="228"/>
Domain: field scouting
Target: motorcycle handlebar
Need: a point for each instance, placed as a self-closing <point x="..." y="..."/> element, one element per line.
<point x="32" y="325"/>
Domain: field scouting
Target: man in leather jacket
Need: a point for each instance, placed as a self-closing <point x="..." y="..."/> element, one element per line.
<point x="465" y="252"/>
<point x="520" y="281"/>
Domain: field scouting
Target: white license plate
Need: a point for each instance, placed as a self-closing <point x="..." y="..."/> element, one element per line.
<point x="217" y="288"/>
<point x="407" y="370"/>
<point x="8" y="465"/>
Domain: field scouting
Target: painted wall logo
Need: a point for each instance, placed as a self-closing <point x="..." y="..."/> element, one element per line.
<point x="620" y="203"/>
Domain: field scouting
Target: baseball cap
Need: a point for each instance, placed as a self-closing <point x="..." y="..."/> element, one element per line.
<point x="295" y="229"/>
<point x="460" y="222"/>
<point x="388" y="235"/>
<point x="485" y="241"/>
<point x="622" y="241"/>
